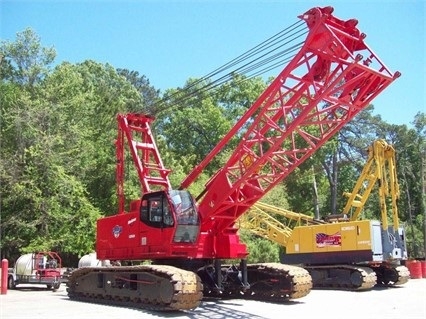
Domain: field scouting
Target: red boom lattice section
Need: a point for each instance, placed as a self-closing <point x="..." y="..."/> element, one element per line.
<point x="332" y="78"/>
<point x="146" y="158"/>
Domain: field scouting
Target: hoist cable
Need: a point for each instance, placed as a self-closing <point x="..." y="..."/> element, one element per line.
<point x="248" y="54"/>
<point x="285" y="58"/>
<point x="264" y="58"/>
<point x="242" y="57"/>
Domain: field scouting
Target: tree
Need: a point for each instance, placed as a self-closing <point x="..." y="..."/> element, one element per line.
<point x="260" y="250"/>
<point x="410" y="145"/>
<point x="57" y="154"/>
<point x="149" y="94"/>
<point x="27" y="62"/>
<point x="196" y="117"/>
<point x="191" y="128"/>
<point x="58" y="159"/>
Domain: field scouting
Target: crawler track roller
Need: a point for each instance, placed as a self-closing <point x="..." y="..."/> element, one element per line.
<point x="277" y="282"/>
<point x="392" y="275"/>
<point x="343" y="277"/>
<point x="159" y="288"/>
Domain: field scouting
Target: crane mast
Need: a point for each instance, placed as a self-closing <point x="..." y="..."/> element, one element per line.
<point x="153" y="175"/>
<point x="330" y="80"/>
<point x="379" y="170"/>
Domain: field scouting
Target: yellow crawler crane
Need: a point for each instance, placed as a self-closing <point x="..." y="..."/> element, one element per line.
<point x="343" y="251"/>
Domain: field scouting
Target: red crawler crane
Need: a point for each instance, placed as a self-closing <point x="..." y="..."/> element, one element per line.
<point x="330" y="80"/>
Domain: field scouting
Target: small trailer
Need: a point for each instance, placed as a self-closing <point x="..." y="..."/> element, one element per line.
<point x="41" y="268"/>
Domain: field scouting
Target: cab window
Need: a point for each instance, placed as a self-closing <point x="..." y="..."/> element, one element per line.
<point x="188" y="222"/>
<point x="155" y="210"/>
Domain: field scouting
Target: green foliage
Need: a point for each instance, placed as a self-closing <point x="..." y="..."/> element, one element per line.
<point x="300" y="193"/>
<point x="57" y="154"/>
<point x="277" y="196"/>
<point x="260" y="250"/>
<point x="192" y="129"/>
<point x="27" y="62"/>
<point x="148" y="93"/>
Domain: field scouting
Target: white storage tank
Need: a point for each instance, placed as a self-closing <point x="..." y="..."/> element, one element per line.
<point x="26" y="264"/>
<point x="90" y="260"/>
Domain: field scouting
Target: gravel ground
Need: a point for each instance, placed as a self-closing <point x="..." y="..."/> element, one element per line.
<point x="406" y="302"/>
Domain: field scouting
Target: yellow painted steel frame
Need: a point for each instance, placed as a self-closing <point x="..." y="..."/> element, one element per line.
<point x="264" y="219"/>
<point x="380" y="168"/>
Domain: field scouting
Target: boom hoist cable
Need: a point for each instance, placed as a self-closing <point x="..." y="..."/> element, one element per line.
<point x="270" y="54"/>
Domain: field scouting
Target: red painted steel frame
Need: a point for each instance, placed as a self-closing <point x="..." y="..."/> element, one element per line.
<point x="146" y="158"/>
<point x="333" y="77"/>
<point x="330" y="80"/>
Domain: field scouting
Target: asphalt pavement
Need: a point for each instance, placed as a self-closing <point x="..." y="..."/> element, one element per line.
<point x="407" y="301"/>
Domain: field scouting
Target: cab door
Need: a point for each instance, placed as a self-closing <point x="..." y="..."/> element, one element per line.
<point x="157" y="223"/>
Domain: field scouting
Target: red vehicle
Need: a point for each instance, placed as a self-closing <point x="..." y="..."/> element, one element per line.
<point x="331" y="78"/>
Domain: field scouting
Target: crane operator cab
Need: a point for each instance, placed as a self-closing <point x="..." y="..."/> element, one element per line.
<point x="176" y="209"/>
<point x="158" y="224"/>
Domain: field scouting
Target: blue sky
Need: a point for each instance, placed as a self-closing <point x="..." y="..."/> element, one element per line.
<point x="172" y="41"/>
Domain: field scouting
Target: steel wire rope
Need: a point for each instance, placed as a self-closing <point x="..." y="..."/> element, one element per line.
<point x="223" y="79"/>
<point x="268" y="60"/>
<point x="267" y="57"/>
<point x="268" y="68"/>
<point x="271" y="44"/>
<point x="228" y="77"/>
<point x="247" y="54"/>
<point x="250" y="66"/>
